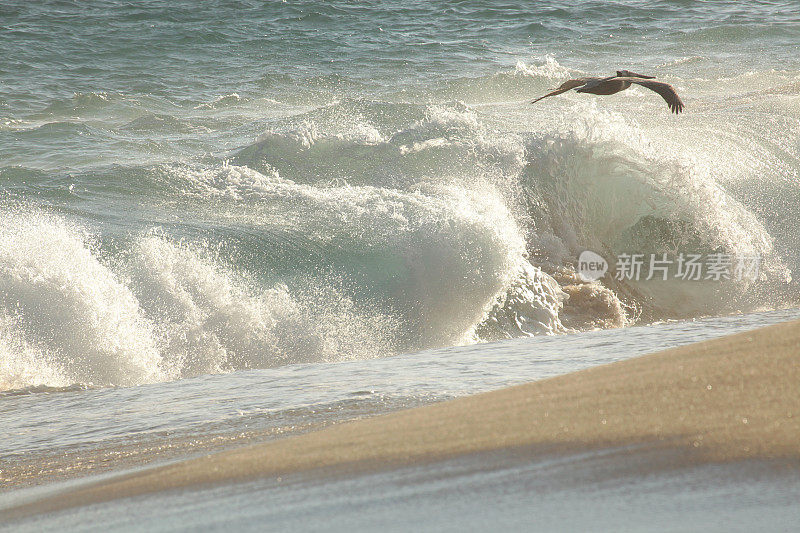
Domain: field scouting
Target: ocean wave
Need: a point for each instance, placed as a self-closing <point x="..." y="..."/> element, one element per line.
<point x="604" y="186"/>
<point x="549" y="69"/>
<point x="162" y="123"/>
<point x="437" y="254"/>
<point x="365" y="142"/>
<point x="55" y="293"/>
<point x="222" y="102"/>
<point x="162" y="310"/>
<point x="360" y="272"/>
<point x="82" y="102"/>
<point x="365" y="228"/>
<point x="599" y="183"/>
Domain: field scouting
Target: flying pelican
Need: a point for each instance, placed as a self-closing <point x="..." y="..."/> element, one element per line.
<point x="620" y="82"/>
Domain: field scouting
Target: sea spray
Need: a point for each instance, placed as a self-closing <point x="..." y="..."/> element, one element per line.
<point x="150" y="307"/>
<point x="70" y="309"/>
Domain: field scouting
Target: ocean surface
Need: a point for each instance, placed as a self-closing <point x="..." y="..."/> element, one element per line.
<point x="230" y="220"/>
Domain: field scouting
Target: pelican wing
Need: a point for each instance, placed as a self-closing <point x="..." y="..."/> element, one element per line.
<point x="566" y="86"/>
<point x="666" y="91"/>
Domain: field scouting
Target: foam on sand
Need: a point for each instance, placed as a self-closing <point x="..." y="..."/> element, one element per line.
<point x="727" y="399"/>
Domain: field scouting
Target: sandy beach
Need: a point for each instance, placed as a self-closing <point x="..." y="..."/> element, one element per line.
<point x="729" y="399"/>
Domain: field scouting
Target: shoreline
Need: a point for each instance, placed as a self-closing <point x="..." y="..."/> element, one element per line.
<point x="727" y="399"/>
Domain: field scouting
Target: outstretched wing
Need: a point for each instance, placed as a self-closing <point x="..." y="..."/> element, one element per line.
<point x="566" y="86"/>
<point x="629" y="74"/>
<point x="666" y="91"/>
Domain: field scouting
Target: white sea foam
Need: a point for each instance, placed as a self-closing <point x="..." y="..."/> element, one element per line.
<point x="71" y="315"/>
<point x="438" y="257"/>
<point x="548" y="68"/>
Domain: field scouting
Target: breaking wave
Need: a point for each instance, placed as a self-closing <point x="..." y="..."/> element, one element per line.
<point x="366" y="228"/>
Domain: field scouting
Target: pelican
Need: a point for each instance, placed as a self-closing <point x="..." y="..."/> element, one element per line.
<point x="620" y="82"/>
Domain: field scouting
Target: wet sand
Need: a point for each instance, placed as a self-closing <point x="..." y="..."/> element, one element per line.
<point x="728" y="399"/>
